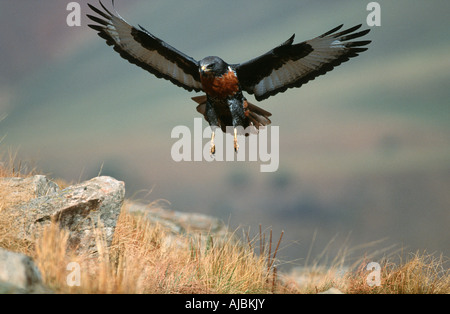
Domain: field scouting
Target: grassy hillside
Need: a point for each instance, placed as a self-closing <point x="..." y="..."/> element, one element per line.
<point x="140" y="261"/>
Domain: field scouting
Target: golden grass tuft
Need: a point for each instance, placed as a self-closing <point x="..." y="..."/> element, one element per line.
<point x="141" y="261"/>
<point x="418" y="273"/>
<point x="11" y="168"/>
<point x="8" y="232"/>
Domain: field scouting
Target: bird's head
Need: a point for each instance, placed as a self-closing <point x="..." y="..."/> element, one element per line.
<point x="213" y="66"/>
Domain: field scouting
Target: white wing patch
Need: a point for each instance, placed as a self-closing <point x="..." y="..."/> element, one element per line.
<point x="120" y="31"/>
<point x="325" y="50"/>
<point x="122" y="35"/>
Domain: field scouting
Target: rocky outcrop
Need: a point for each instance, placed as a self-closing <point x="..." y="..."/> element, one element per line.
<point x="81" y="209"/>
<point x="84" y="210"/>
<point x="179" y="224"/>
<point x="19" y="190"/>
<point x="19" y="274"/>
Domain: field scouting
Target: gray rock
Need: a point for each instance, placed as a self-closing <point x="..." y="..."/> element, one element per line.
<point x="39" y="185"/>
<point x="17" y="190"/>
<point x="7" y="288"/>
<point x="43" y="186"/>
<point x="18" y="273"/>
<point x="80" y="209"/>
<point x="179" y="224"/>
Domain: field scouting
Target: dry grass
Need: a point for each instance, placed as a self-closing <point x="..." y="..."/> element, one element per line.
<point x="141" y="260"/>
<point x="415" y="273"/>
<point x="11" y="168"/>
<point x="8" y="239"/>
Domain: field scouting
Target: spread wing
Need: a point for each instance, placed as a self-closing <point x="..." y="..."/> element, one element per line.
<point x="291" y="65"/>
<point x="140" y="47"/>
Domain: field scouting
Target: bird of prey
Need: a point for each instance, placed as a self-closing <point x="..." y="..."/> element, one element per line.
<point x="286" y="66"/>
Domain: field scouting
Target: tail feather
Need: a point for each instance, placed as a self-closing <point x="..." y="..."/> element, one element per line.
<point x="256" y="115"/>
<point x="201" y="101"/>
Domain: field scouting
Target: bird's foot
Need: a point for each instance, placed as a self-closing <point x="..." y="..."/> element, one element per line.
<point x="213" y="146"/>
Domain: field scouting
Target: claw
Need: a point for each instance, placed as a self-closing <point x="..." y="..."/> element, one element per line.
<point x="213" y="146"/>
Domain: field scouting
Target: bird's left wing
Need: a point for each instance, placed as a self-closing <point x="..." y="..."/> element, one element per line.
<point x="291" y="65"/>
<point x="140" y="47"/>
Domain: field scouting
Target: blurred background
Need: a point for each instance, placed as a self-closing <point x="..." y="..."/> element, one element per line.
<point x="364" y="150"/>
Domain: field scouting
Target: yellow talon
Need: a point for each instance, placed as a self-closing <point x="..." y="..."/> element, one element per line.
<point x="213" y="146"/>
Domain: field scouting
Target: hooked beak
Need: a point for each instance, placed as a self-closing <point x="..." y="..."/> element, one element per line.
<point x="204" y="69"/>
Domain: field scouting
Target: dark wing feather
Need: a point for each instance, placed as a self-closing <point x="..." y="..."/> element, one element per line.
<point x="140" y="47"/>
<point x="291" y="65"/>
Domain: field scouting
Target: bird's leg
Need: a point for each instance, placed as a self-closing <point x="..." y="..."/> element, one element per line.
<point x="213" y="146"/>
<point x="236" y="145"/>
<point x="211" y="117"/>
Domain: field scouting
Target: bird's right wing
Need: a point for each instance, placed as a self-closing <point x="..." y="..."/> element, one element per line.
<point x="140" y="47"/>
<point x="292" y="65"/>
